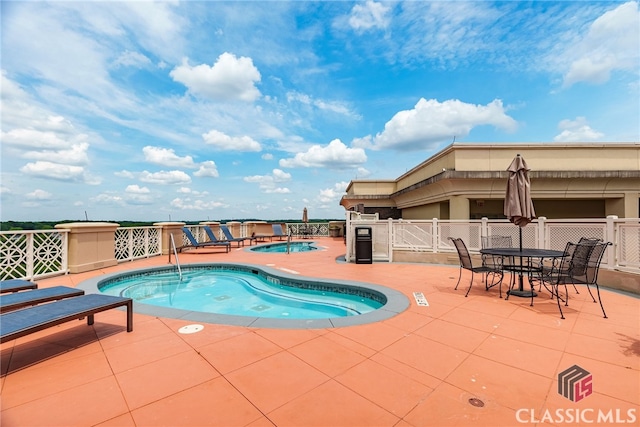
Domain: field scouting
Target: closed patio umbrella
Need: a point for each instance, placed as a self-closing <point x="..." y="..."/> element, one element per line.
<point x="305" y="216"/>
<point x="518" y="206"/>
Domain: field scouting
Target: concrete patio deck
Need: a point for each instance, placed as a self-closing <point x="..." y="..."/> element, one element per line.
<point x="427" y="366"/>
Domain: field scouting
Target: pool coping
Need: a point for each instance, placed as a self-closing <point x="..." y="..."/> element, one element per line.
<point x="396" y="303"/>
<point x="312" y="243"/>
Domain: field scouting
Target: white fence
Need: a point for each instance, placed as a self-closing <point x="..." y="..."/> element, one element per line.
<point x="433" y="236"/>
<point x="43" y="253"/>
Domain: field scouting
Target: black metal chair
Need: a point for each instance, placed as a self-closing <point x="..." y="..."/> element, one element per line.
<point x="579" y="266"/>
<point x="467" y="264"/>
<point x="492" y="261"/>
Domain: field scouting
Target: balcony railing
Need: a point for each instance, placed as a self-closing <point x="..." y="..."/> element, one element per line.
<point x="43" y="253"/>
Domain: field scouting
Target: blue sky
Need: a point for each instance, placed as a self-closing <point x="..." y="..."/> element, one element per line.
<point x="228" y="110"/>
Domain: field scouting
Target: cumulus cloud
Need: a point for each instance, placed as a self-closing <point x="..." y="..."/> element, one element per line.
<point x="167" y="157"/>
<point x="50" y="170"/>
<point x="577" y="130"/>
<point x="612" y="43"/>
<point x="336" y="155"/>
<point x="229" y="79"/>
<point x="225" y="142"/>
<point x="75" y="155"/>
<point x="370" y="15"/>
<point x="39" y="195"/>
<point x="136" y="189"/>
<point x="198" y="205"/>
<point x="165" y="177"/>
<point x="270" y="183"/>
<point x="328" y="195"/>
<point x="207" y="169"/>
<point x="431" y="122"/>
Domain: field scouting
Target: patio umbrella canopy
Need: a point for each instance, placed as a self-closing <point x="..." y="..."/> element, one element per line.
<point x="518" y="206"/>
<point x="305" y="216"/>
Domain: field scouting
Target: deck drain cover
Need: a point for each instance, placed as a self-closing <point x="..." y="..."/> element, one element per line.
<point x="190" y="329"/>
<point x="474" y="401"/>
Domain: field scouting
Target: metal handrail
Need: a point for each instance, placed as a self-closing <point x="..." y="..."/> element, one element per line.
<point x="175" y="252"/>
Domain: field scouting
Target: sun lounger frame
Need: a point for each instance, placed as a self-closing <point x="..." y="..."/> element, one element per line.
<point x="16" y="300"/>
<point x="15" y="285"/>
<point x="40" y="317"/>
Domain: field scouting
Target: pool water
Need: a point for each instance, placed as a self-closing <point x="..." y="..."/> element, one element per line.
<point x="244" y="293"/>
<point x="282" y="247"/>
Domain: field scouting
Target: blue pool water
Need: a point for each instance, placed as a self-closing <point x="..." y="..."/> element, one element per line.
<point x="281" y="247"/>
<point x="243" y="291"/>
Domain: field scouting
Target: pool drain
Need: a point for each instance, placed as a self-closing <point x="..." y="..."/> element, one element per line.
<point x="190" y="329"/>
<point x="474" y="401"/>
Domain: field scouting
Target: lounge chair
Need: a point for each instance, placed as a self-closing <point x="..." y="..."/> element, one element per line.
<point x="195" y="244"/>
<point x="278" y="232"/>
<point x="15" y="285"/>
<point x="17" y="300"/>
<point x="229" y="237"/>
<point x="18" y="323"/>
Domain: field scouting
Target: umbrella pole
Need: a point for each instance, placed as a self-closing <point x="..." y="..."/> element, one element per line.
<point x="520" y="292"/>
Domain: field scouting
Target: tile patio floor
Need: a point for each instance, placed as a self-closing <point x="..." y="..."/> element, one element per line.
<point x="419" y="368"/>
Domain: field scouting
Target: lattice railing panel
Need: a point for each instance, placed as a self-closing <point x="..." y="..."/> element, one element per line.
<point x="418" y="236"/>
<point x="559" y="234"/>
<point x="629" y="245"/>
<point x="469" y="232"/>
<point x="30" y="255"/>
<point x="137" y="242"/>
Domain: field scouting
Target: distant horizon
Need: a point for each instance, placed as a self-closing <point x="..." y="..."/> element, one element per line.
<point x="225" y="108"/>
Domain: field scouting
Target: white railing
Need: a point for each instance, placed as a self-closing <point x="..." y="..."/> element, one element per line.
<point x="43" y="253"/>
<point x="433" y="236"/>
<point x="33" y="254"/>
<point x="137" y="242"/>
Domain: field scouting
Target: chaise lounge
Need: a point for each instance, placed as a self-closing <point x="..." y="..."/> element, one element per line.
<point x="195" y="244"/>
<point x="15" y="285"/>
<point x="18" y="323"/>
<point x="18" y="300"/>
<point x="229" y="237"/>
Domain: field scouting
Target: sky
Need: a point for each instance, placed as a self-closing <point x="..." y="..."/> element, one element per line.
<point x="214" y="110"/>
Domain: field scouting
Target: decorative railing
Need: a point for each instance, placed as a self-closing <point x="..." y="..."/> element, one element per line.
<point x="137" y="242"/>
<point x="433" y="236"/>
<point x="33" y="254"/>
<point x="43" y="253"/>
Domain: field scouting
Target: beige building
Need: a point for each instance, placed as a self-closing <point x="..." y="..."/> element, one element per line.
<point x="468" y="181"/>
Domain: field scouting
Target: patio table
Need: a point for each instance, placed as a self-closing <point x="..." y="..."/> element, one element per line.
<point x="521" y="268"/>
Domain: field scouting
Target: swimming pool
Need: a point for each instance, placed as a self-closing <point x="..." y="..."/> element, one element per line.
<point x="282" y="247"/>
<point x="308" y="302"/>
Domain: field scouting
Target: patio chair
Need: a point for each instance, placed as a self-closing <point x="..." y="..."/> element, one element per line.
<point x="230" y="238"/>
<point x="496" y="263"/>
<point x="580" y="266"/>
<point x="195" y="244"/>
<point x="15" y="285"/>
<point x="18" y="323"/>
<point x="18" y="300"/>
<point x="467" y="264"/>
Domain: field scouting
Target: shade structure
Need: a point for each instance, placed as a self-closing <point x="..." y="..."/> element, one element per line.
<point x="518" y="208"/>
<point x="305" y="216"/>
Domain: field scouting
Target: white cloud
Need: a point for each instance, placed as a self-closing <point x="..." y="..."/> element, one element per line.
<point x="49" y="170"/>
<point x="136" y="189"/>
<point x="75" y="155"/>
<point x="228" y="143"/>
<point x="369" y="15"/>
<point x="167" y="157"/>
<point x="269" y="183"/>
<point x="165" y="177"/>
<point x="336" y="155"/>
<point x="207" y="169"/>
<point x="229" y="79"/>
<point x="132" y="59"/>
<point x="577" y="130"/>
<point x="108" y="199"/>
<point x="198" y="205"/>
<point x="267" y="156"/>
<point x="328" y="195"/>
<point x="39" y="195"/>
<point x="334" y="107"/>
<point x="612" y="43"/>
<point x="431" y="122"/>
